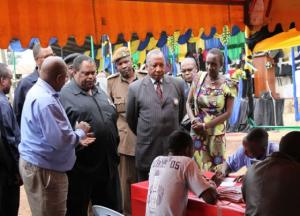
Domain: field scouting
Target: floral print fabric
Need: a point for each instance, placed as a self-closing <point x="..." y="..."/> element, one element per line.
<point x="209" y="147"/>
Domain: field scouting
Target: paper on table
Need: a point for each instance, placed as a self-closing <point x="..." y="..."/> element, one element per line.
<point x="227" y="182"/>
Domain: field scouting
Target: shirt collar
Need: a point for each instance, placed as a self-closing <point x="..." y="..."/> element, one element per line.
<point x="35" y="75"/>
<point x="125" y="80"/>
<point x="3" y="95"/>
<point x="47" y="87"/>
<point x="77" y="90"/>
<point x="154" y="82"/>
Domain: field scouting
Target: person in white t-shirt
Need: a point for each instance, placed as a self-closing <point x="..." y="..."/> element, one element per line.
<point x="172" y="176"/>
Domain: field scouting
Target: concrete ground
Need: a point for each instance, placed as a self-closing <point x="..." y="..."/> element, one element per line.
<point x="233" y="141"/>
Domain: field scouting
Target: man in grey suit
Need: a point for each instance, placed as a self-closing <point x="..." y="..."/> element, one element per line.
<point x="154" y="110"/>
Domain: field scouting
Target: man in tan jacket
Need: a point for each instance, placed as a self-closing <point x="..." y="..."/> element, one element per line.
<point x="117" y="89"/>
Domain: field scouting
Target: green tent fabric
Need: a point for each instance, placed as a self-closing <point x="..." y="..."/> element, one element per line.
<point x="236" y="45"/>
<point x="135" y="57"/>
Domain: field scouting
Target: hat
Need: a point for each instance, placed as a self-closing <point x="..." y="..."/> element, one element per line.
<point x="69" y="58"/>
<point x="120" y="53"/>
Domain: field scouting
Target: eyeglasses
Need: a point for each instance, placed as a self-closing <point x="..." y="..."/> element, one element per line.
<point x="46" y="56"/>
<point x="187" y="70"/>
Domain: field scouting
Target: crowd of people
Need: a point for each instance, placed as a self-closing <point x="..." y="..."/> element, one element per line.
<point x="74" y="142"/>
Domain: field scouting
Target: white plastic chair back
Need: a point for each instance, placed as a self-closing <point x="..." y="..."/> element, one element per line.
<point x="103" y="211"/>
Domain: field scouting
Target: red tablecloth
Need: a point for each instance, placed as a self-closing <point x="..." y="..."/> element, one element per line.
<point x="195" y="205"/>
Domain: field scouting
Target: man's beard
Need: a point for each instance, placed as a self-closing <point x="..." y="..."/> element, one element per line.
<point x="126" y="73"/>
<point x="6" y="91"/>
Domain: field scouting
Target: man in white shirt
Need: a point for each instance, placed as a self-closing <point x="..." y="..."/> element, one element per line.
<point x="172" y="176"/>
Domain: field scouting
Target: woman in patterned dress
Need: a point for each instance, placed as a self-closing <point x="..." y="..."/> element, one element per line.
<point x="209" y="105"/>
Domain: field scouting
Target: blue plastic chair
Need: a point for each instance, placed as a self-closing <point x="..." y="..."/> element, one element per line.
<point x="103" y="211"/>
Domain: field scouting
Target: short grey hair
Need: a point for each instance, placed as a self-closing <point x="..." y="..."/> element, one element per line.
<point x="187" y="59"/>
<point x="4" y="71"/>
<point x="36" y="50"/>
<point x="152" y="53"/>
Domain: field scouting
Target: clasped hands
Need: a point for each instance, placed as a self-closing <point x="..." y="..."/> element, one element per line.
<point x="198" y="126"/>
<point x="90" y="137"/>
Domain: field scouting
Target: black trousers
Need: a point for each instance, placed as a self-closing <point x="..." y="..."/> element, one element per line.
<point x="9" y="195"/>
<point x="97" y="188"/>
<point x="143" y="175"/>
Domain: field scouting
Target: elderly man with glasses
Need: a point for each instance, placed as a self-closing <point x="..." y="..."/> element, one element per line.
<point x="39" y="54"/>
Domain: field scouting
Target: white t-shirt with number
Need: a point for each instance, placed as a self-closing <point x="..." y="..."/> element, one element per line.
<point x="170" y="179"/>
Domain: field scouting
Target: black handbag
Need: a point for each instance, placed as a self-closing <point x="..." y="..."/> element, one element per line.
<point x="186" y="123"/>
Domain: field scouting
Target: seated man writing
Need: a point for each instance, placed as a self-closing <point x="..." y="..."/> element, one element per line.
<point x="172" y="176"/>
<point x="256" y="147"/>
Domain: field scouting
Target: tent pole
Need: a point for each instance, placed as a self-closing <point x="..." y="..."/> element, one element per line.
<point x="92" y="48"/>
<point x="226" y="58"/>
<point x="14" y="63"/>
<point x="110" y="58"/>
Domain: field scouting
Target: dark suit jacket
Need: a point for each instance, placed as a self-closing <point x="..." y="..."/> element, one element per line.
<point x="152" y="120"/>
<point x="102" y="116"/>
<point x="7" y="163"/>
<point x="21" y="92"/>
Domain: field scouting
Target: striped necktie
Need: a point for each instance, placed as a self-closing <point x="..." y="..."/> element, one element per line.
<point x="158" y="90"/>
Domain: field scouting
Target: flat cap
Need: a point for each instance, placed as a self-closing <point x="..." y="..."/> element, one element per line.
<point x="120" y="53"/>
<point x="69" y="58"/>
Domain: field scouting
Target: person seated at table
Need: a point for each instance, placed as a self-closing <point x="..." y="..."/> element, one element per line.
<point x="271" y="187"/>
<point x="256" y="147"/>
<point x="172" y="176"/>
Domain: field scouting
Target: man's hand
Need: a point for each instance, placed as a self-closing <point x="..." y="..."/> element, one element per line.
<point x="239" y="179"/>
<point x="210" y="196"/>
<point x="197" y="126"/>
<point x="90" y="138"/>
<point x="83" y="126"/>
<point x="218" y="177"/>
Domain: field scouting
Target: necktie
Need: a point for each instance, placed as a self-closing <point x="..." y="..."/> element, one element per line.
<point x="158" y="90"/>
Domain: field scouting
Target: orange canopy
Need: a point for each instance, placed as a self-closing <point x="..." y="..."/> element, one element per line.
<point x="24" y="19"/>
<point x="284" y="12"/>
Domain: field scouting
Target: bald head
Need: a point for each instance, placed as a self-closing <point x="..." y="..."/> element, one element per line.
<point x="188" y="69"/>
<point x="189" y="60"/>
<point x="54" y="71"/>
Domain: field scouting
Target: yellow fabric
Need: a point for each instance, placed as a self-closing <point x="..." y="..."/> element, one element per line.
<point x="99" y="54"/>
<point x="134" y="46"/>
<point x="152" y="44"/>
<point x="142" y="57"/>
<point x="279" y="41"/>
<point x="117" y="46"/>
<point x="193" y="39"/>
<point x="217" y="35"/>
<point x="201" y="44"/>
<point x="286" y="54"/>
<point x="248" y="52"/>
<point x="182" y="51"/>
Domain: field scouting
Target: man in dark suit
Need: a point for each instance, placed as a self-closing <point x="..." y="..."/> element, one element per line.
<point x="154" y="110"/>
<point x="39" y="54"/>
<point x="94" y="176"/>
<point x="8" y="166"/>
<point x="10" y="136"/>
